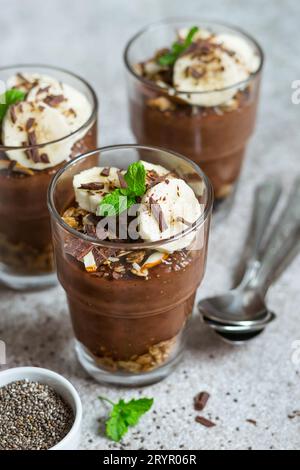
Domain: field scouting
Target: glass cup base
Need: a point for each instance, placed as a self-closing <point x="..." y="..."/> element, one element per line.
<point x="21" y="282"/>
<point x="126" y="379"/>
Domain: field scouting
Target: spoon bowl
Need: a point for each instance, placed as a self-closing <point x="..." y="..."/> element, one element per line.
<point x="236" y="307"/>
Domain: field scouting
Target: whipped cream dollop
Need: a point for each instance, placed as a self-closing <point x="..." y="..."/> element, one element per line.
<point x="51" y="111"/>
<point x="213" y="62"/>
<point x="168" y="207"/>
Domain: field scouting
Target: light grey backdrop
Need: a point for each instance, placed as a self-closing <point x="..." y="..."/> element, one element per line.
<point x="258" y="381"/>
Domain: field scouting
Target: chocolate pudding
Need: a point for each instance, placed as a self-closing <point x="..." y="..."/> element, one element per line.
<point x="130" y="304"/>
<point x="49" y="123"/>
<point x="197" y="96"/>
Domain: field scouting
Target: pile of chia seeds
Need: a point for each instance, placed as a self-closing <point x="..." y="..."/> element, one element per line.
<point x="32" y="416"/>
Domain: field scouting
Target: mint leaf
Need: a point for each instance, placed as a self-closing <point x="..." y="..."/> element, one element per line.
<point x="8" y="98"/>
<point x="134" y="409"/>
<point x="123" y="415"/>
<point x="114" y="203"/>
<point x="189" y="38"/>
<point x="122" y="199"/>
<point x="116" y="427"/>
<point x="167" y="59"/>
<point x="177" y="48"/>
<point x="135" y="178"/>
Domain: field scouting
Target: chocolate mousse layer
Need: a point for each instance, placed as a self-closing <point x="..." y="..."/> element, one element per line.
<point x="25" y="233"/>
<point x="126" y="321"/>
<point x="215" y="138"/>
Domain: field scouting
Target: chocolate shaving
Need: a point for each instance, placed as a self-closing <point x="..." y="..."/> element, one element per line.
<point x="158" y="215"/>
<point x="77" y="248"/>
<point x="13" y="115"/>
<point x="122" y="181"/>
<point x="153" y="178"/>
<point x="54" y="100"/>
<point x="33" y="153"/>
<point x="105" y="172"/>
<point x="92" y="186"/>
<point x="192" y="72"/>
<point x="204" y="421"/>
<point x="12" y="165"/>
<point x="29" y="124"/>
<point x="43" y="90"/>
<point x="251" y="421"/>
<point x="102" y="254"/>
<point x="21" y="77"/>
<point x="201" y="400"/>
<point x="44" y="158"/>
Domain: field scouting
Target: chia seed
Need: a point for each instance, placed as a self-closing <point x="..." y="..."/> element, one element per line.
<point x="32" y="416"/>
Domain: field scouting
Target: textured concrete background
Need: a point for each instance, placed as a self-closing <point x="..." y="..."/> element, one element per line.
<point x="257" y="381"/>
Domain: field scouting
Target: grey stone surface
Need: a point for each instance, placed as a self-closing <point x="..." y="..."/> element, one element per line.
<point x="257" y="381"/>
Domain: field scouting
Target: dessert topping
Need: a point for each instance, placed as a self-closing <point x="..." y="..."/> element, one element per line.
<point x="32" y="125"/>
<point x="178" y="47"/>
<point x="53" y="109"/>
<point x="212" y="65"/>
<point x="201" y="68"/>
<point x="162" y="211"/>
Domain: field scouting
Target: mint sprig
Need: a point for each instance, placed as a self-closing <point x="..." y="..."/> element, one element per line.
<point x="124" y="415"/>
<point x="10" y="97"/>
<point x="177" y="48"/>
<point x="122" y="199"/>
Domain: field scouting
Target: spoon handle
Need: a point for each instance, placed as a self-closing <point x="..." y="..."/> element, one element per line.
<point x="265" y="200"/>
<point x="283" y="244"/>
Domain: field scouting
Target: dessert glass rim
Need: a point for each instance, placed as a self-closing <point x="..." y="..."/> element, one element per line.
<point x="68" y="72"/>
<point x="191" y="20"/>
<point x="134" y="245"/>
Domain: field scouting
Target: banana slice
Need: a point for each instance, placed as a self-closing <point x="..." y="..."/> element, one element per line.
<point x="160" y="170"/>
<point x="73" y="104"/>
<point x="166" y="210"/>
<point x="206" y="73"/>
<point x="90" y="186"/>
<point x="244" y="52"/>
<point x="30" y="123"/>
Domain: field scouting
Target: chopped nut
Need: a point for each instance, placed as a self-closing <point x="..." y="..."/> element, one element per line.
<point x="136" y="256"/>
<point x="71" y="221"/>
<point x="120" y="269"/>
<point x="139" y="272"/>
<point x="162" y="103"/>
<point x="155" y="357"/>
<point x="154" y="260"/>
<point x="75" y="212"/>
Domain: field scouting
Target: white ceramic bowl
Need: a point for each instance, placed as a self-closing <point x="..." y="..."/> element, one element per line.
<point x="62" y="386"/>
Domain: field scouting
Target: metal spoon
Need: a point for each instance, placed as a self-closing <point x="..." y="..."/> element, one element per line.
<point x="226" y="308"/>
<point x="242" y="313"/>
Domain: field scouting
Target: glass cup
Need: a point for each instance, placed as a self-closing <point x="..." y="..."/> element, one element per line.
<point x="130" y="328"/>
<point x="26" y="254"/>
<point x="214" y="137"/>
